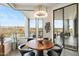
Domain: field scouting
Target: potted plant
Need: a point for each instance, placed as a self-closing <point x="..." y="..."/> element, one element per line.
<point x="1" y="45"/>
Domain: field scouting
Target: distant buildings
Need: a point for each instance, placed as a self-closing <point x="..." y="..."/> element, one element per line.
<point x="8" y="31"/>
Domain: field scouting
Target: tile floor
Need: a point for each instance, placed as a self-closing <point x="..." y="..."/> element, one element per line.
<point x="70" y="42"/>
<point x="65" y="52"/>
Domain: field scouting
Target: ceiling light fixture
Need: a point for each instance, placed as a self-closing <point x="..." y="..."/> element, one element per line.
<point x="40" y="12"/>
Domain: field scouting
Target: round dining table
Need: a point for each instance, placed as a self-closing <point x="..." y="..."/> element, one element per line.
<point x="40" y="45"/>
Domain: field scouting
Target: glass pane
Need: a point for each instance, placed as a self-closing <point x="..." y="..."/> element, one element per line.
<point x="58" y="26"/>
<point x="70" y="27"/>
<point x="32" y="28"/>
<point x="58" y="23"/>
<point x="32" y="23"/>
<point x="40" y="28"/>
<point x="9" y="21"/>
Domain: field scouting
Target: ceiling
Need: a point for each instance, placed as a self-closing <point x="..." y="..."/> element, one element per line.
<point x="31" y="6"/>
<point x="28" y="8"/>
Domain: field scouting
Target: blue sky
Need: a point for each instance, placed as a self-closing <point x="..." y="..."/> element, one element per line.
<point x="33" y="23"/>
<point x="59" y="23"/>
<point x="10" y="17"/>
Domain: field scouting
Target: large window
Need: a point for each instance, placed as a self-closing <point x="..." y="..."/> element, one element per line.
<point x="32" y="27"/>
<point x="40" y="28"/>
<point x="58" y="26"/>
<point x="11" y="22"/>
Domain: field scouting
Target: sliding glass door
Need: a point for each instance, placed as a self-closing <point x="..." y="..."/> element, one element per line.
<point x="66" y="26"/>
<point x="70" y="27"/>
<point x="58" y="27"/>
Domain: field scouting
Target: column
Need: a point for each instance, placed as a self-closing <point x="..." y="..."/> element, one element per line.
<point x="26" y="27"/>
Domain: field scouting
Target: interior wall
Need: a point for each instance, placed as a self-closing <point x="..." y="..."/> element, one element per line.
<point x="49" y="19"/>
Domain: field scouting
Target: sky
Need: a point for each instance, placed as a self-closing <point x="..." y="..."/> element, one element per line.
<point x="10" y="17"/>
<point x="33" y="23"/>
<point x="59" y="23"/>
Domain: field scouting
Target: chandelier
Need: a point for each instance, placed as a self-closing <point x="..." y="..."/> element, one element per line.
<point x="40" y="12"/>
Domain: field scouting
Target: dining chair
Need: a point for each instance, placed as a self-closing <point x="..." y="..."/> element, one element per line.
<point x="52" y="53"/>
<point x="26" y="51"/>
<point x="29" y="54"/>
<point x="28" y="39"/>
<point x="46" y="38"/>
<point x="54" y="36"/>
<point x="57" y="48"/>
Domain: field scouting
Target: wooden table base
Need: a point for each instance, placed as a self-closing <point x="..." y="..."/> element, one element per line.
<point x="40" y="53"/>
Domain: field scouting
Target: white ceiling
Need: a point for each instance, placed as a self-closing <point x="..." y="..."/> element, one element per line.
<point x="34" y="4"/>
<point x="27" y="8"/>
<point x="31" y="6"/>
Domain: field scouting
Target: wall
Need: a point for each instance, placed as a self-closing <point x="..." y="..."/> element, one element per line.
<point x="48" y="19"/>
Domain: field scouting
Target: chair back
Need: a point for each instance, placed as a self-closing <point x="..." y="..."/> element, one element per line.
<point x="28" y="39"/>
<point x="52" y="53"/>
<point x="46" y="38"/>
<point x="23" y="51"/>
<point x="21" y="46"/>
<point x="59" y="49"/>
